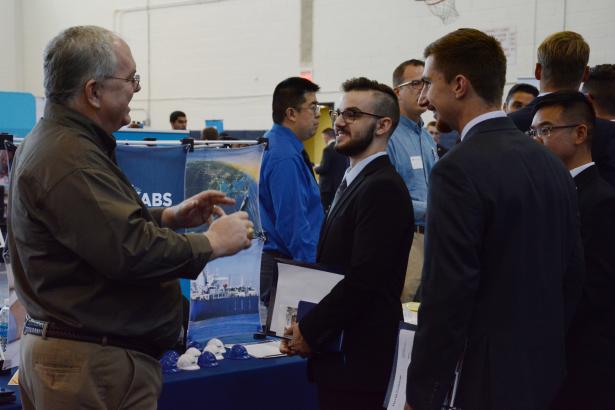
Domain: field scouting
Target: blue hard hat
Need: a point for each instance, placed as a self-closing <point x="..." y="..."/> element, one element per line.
<point x="168" y="362"/>
<point x="238" y="352"/>
<point x="208" y="359"/>
<point x="197" y="345"/>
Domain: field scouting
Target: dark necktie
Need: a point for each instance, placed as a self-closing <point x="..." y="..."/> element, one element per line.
<point x="306" y="159"/>
<point x="338" y="193"/>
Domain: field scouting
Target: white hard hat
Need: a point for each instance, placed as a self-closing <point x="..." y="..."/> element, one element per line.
<point x="187" y="362"/>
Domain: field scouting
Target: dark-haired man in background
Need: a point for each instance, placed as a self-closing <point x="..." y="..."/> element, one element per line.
<point x="564" y="123"/>
<point x="519" y="96"/>
<point x="367" y="236"/>
<point x="290" y="208"/>
<point x="562" y="66"/>
<point x="178" y="120"/>
<point x="600" y="89"/>
<point x="503" y="261"/>
<point x="331" y="169"/>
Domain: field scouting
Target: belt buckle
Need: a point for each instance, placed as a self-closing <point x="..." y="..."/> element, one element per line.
<point x="44" y="332"/>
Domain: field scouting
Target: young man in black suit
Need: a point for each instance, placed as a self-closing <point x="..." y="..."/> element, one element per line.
<point x="331" y="169"/>
<point x="562" y="66"/>
<point x="564" y="123"/>
<point x="367" y="236"/>
<point x="503" y="260"/>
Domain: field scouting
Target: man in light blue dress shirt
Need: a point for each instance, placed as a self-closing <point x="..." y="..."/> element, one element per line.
<point x="413" y="152"/>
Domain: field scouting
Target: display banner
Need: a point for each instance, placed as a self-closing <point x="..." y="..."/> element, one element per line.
<point x="224" y="299"/>
<point x="156" y="173"/>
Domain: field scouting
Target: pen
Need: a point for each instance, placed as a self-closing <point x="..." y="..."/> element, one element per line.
<point x="289" y="338"/>
<point x="244" y="203"/>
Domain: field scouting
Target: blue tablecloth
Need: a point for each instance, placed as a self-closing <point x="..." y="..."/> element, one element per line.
<point x="4" y="379"/>
<point x="255" y="384"/>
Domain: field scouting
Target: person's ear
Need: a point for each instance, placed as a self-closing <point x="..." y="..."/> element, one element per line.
<point x="581" y="134"/>
<point x="396" y="90"/>
<point x="538" y="71"/>
<point x="384" y="126"/>
<point x="291" y="114"/>
<point x="461" y="86"/>
<point x="92" y="91"/>
<point x="585" y="74"/>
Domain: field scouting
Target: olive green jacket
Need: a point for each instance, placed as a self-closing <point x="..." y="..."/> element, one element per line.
<point x="85" y="250"/>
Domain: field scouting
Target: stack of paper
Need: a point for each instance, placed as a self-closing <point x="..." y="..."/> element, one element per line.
<point x="264" y="350"/>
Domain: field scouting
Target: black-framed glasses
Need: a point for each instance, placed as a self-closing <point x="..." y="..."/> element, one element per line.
<point x="135" y="79"/>
<point x="545" y="130"/>
<point x="414" y="84"/>
<point x="350" y="116"/>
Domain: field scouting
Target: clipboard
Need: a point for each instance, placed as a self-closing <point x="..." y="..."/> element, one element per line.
<point x="295" y="282"/>
<point x="395" y="398"/>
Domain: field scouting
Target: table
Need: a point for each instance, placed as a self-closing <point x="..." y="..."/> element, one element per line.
<point x="255" y="384"/>
<point x="4" y="379"/>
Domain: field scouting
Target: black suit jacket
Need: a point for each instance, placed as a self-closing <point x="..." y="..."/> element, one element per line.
<point x="331" y="169"/>
<point x="367" y="236"/>
<point x="502" y="273"/>
<point x="603" y="140"/>
<point x="590" y="381"/>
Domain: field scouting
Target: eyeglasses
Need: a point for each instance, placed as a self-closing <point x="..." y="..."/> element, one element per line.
<point x="414" y="84"/>
<point x="545" y="130"/>
<point x="351" y="116"/>
<point x="135" y="79"/>
<point x="314" y="107"/>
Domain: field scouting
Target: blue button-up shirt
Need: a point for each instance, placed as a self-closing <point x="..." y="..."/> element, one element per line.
<point x="413" y="152"/>
<point x="290" y="208"/>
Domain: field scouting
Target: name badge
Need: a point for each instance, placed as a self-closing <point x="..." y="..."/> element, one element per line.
<point x="416" y="162"/>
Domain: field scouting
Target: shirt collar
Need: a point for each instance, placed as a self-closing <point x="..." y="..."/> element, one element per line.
<point x="288" y="135"/>
<point x="410" y="123"/>
<point x="64" y="115"/>
<point x="576" y="171"/>
<point x="352" y="172"/>
<point x="483" y="117"/>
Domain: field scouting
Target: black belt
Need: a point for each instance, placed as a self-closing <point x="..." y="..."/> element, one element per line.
<point x="61" y="331"/>
<point x="419" y="229"/>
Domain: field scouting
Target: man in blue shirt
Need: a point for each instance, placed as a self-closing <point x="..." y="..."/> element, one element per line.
<point x="290" y="208"/>
<point x="413" y="152"/>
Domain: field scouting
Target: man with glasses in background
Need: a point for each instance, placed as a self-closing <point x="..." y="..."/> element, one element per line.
<point x="561" y="65"/>
<point x="96" y="270"/>
<point x="413" y="152"/>
<point x="290" y="208"/>
<point x="564" y="122"/>
<point x="367" y="237"/>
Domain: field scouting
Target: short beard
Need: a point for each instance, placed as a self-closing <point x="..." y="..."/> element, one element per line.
<point x="356" y="146"/>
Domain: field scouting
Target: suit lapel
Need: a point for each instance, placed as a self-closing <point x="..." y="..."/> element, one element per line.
<point x="373" y="166"/>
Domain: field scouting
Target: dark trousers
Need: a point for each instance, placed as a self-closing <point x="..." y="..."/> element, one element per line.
<point x="269" y="270"/>
<point x="332" y="399"/>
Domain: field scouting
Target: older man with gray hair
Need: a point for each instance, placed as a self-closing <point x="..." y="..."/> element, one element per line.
<point x="95" y="269"/>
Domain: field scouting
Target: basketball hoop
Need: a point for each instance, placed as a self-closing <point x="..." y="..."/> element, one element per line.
<point x="445" y="9"/>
